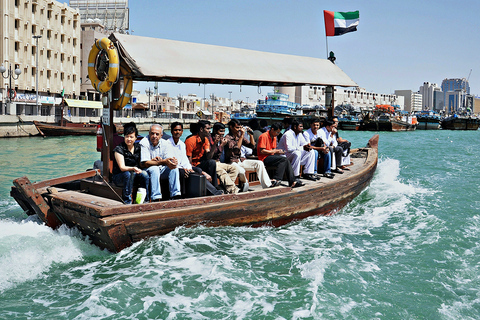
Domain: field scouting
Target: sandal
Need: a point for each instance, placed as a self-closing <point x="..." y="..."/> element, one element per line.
<point x="338" y="170"/>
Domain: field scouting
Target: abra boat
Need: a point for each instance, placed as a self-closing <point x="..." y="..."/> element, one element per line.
<point x="67" y="129"/>
<point x="428" y="120"/>
<point x="89" y="202"/>
<point x="85" y="201"/>
<point x="456" y="122"/>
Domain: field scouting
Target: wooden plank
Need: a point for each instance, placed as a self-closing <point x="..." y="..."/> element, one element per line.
<point x="73" y="177"/>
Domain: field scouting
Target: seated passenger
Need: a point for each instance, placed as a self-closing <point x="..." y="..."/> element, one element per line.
<point x="312" y="135"/>
<point x="233" y="154"/>
<point x="126" y="167"/>
<point x="271" y="156"/>
<point x="325" y="134"/>
<point x="154" y="158"/>
<point x="199" y="152"/>
<point x="227" y="173"/>
<point x="178" y="150"/>
<point x="298" y="151"/>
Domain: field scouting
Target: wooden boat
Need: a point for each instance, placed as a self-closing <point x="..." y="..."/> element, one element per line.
<point x="348" y="122"/>
<point x="88" y="202"/>
<point x="94" y="208"/>
<point x="68" y="129"/>
<point x="383" y="118"/>
<point x="456" y="122"/>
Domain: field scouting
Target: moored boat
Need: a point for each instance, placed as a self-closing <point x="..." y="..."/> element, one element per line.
<point x="68" y="129"/>
<point x="383" y="118"/>
<point x="428" y="120"/>
<point x="456" y="122"/>
<point x="348" y="122"/>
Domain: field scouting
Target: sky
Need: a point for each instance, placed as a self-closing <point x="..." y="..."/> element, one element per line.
<point x="398" y="45"/>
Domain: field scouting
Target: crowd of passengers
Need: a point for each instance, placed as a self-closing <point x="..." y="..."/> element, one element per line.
<point x="223" y="157"/>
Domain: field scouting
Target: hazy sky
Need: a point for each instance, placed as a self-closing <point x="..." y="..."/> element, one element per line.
<point x="398" y="45"/>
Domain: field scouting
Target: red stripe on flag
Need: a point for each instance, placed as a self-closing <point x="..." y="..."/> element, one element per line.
<point x="329" y="24"/>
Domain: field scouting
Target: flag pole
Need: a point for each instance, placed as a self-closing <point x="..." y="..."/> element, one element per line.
<point x="326" y="41"/>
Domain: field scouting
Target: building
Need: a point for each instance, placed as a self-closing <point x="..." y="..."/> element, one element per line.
<point x="455" y="93"/>
<point x="90" y="32"/>
<point x="413" y="100"/>
<point x="429" y="96"/>
<point x="57" y="28"/>
<point x="113" y="15"/>
<point x="357" y="97"/>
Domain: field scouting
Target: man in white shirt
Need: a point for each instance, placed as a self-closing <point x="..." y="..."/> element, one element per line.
<point x="298" y="151"/>
<point x="177" y="149"/>
<point x="153" y="157"/>
<point x="325" y="133"/>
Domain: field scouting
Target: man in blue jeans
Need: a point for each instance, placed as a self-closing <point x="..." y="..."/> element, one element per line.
<point x="325" y="135"/>
<point x="153" y="157"/>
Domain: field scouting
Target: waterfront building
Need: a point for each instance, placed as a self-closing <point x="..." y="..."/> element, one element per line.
<point x="429" y="96"/>
<point x="113" y="15"/>
<point x="455" y="92"/>
<point x="413" y="100"/>
<point x="57" y="28"/>
<point x="359" y="98"/>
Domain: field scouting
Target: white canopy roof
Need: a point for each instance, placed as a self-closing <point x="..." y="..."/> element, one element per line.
<point x="153" y="59"/>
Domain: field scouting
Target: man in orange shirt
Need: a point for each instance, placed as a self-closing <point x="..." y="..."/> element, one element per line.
<point x="272" y="157"/>
<point x="200" y="153"/>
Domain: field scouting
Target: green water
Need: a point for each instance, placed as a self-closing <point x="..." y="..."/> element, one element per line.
<point x="406" y="248"/>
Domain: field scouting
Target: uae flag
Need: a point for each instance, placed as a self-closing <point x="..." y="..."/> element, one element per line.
<point x="338" y="23"/>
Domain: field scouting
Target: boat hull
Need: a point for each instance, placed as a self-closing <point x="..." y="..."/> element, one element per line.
<point x="114" y="226"/>
<point x="77" y="129"/>
<point x="428" y="125"/>
<point x="460" y="123"/>
<point x="393" y="125"/>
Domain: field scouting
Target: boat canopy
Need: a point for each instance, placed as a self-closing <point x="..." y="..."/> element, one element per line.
<point x="152" y="59"/>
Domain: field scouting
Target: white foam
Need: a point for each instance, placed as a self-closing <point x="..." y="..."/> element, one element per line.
<point x="28" y="250"/>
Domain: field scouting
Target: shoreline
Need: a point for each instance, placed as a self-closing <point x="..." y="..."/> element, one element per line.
<point x="12" y="126"/>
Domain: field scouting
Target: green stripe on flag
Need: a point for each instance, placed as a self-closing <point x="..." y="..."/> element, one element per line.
<point x="346" y="15"/>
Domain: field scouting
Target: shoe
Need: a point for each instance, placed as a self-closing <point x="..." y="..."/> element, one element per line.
<point x="329" y="175"/>
<point x="177" y="197"/>
<point x="245" y="187"/>
<point x="297" y="184"/>
<point x="275" y="183"/>
<point x="338" y="170"/>
<point x="310" y="177"/>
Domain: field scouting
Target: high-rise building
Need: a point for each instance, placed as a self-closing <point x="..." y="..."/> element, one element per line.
<point x="56" y="29"/>
<point x="112" y="14"/>
<point x="428" y="91"/>
<point x="455" y="94"/>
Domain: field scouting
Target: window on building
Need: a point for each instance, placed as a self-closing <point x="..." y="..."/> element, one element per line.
<point x="62" y="76"/>
<point x="34" y="8"/>
<point x="62" y="19"/>
<point x="34" y="50"/>
<point x="74" y="59"/>
<point x="74" y="42"/>
<point x="49" y="14"/>
<point x="17" y="24"/>
<point x="34" y="29"/>
<point x="17" y="46"/>
<point x="49" y="54"/>
<point x="62" y="57"/>
<point x="33" y="71"/>
<point x="49" y="34"/>
<point x="49" y="74"/>
<point x="62" y="38"/>
<point x="17" y="2"/>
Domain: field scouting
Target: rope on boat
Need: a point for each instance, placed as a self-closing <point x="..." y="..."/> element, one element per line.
<point x="113" y="190"/>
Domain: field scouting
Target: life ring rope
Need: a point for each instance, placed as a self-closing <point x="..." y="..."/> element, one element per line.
<point x="106" y="45"/>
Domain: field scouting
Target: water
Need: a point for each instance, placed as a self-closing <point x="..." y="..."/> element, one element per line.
<point x="406" y="248"/>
